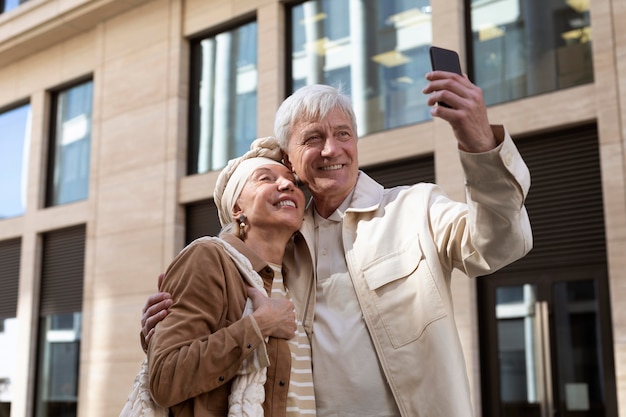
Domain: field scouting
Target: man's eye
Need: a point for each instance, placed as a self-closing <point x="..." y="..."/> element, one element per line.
<point x="313" y="139"/>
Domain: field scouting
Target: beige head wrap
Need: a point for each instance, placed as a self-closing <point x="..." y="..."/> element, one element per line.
<point x="233" y="177"/>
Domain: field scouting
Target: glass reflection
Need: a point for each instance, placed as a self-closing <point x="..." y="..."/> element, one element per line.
<point x="57" y="390"/>
<point x="71" y="149"/>
<point x="520" y="381"/>
<point x="14" y="153"/>
<point x="223" y="98"/>
<point x="524" y="48"/>
<point x="578" y="350"/>
<point x="375" y="50"/>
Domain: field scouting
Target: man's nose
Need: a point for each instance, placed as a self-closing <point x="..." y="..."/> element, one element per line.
<point x="330" y="146"/>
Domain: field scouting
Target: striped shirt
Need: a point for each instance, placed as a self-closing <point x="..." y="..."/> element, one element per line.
<point x="301" y="397"/>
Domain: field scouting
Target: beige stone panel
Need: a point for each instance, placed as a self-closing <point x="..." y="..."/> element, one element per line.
<point x="134" y="80"/>
<point x="59" y="64"/>
<point x="133" y="140"/>
<point x="403" y="142"/>
<point x="37" y="25"/>
<point x="59" y="217"/>
<point x="547" y="111"/>
<point x="613" y="190"/>
<point x="620" y="376"/>
<point x="40" y="71"/>
<point x="448" y="35"/>
<point x="127" y="263"/>
<point x="12" y="228"/>
<point x="197" y="187"/>
<point x="111" y="355"/>
<point x="130" y="201"/>
<point x="271" y="43"/>
<point x="201" y="15"/>
<point x="8" y="86"/>
<point x="617" y="286"/>
<point x="136" y="30"/>
<point x="78" y="56"/>
<point x="112" y="382"/>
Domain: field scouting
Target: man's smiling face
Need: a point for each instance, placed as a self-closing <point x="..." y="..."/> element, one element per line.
<point x="323" y="153"/>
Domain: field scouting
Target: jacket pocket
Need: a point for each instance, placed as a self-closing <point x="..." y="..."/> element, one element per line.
<point x="404" y="293"/>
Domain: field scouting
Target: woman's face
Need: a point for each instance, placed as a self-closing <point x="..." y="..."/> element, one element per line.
<point x="270" y="199"/>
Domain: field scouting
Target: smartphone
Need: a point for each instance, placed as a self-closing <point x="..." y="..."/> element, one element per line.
<point x="444" y="60"/>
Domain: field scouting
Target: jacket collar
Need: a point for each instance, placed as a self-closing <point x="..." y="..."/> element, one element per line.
<point x="366" y="197"/>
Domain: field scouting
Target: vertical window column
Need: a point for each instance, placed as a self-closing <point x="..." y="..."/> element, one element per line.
<point x="14" y="153"/>
<point x="9" y="283"/>
<point x="70" y="145"/>
<point x="223" y="98"/>
<point x="63" y="259"/>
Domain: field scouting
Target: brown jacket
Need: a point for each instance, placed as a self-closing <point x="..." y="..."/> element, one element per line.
<point x="198" y="348"/>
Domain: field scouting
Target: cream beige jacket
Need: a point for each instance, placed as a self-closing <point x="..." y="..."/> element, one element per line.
<point x="401" y="246"/>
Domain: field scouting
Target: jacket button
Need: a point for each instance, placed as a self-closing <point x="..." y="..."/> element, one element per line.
<point x="249" y="346"/>
<point x="268" y="270"/>
<point x="281" y="383"/>
<point x="221" y="378"/>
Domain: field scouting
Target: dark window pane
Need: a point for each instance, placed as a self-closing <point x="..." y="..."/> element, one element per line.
<point x="223" y="106"/>
<point x="524" y="48"/>
<point x="375" y="50"/>
<point x="68" y="179"/>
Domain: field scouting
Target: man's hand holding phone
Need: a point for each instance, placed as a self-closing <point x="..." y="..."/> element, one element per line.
<point x="466" y="110"/>
<point x="444" y="60"/>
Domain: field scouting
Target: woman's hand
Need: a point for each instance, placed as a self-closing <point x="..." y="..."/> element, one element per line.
<point x="275" y="317"/>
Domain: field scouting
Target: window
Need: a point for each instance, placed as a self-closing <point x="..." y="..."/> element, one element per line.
<point x="524" y="48"/>
<point x="6" y="5"/>
<point x="375" y="50"/>
<point x="68" y="168"/>
<point x="14" y="153"/>
<point x="223" y="106"/>
<point x="63" y="258"/>
<point x="9" y="281"/>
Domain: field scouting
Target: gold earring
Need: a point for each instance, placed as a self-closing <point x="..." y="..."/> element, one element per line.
<point x="242" y="227"/>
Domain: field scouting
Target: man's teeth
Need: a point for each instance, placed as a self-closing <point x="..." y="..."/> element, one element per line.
<point x="332" y="167"/>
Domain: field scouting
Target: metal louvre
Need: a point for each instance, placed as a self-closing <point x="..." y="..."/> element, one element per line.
<point x="10" y="252"/>
<point x="62" y="271"/>
<point x="403" y="172"/>
<point x="201" y="220"/>
<point x="565" y="203"/>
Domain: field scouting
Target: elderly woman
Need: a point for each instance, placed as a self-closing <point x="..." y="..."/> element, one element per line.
<point x="225" y="348"/>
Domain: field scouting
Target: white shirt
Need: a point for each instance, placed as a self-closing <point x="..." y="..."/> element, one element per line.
<point x="348" y="380"/>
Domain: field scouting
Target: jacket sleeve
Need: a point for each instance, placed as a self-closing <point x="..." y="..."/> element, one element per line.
<point x="492" y="229"/>
<point x="199" y="346"/>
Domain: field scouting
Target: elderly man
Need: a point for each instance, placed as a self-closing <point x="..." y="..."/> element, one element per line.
<point x="371" y="267"/>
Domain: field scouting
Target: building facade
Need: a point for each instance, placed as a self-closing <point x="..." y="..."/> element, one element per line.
<point x="117" y="115"/>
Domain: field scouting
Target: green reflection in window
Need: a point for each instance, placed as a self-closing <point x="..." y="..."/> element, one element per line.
<point x="375" y="50"/>
<point x="525" y="48"/>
